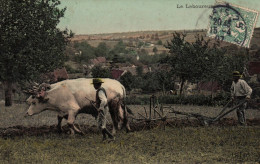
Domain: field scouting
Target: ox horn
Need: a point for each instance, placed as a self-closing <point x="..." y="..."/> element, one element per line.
<point x="36" y="83"/>
<point x="31" y="88"/>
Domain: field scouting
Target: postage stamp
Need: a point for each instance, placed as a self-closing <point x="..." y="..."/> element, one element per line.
<point x="232" y="23"/>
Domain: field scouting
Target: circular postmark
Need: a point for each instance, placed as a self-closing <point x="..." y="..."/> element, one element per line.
<point x="227" y="24"/>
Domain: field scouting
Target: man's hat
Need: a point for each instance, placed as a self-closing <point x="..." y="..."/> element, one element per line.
<point x="236" y="73"/>
<point x="97" y="81"/>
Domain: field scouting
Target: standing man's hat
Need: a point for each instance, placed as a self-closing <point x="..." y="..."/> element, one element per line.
<point x="236" y="73"/>
<point x="97" y="81"/>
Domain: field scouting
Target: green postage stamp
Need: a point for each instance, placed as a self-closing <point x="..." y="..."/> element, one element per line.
<point x="232" y="23"/>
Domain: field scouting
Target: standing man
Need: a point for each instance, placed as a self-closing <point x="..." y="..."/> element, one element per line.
<point x="240" y="91"/>
<point x="102" y="107"/>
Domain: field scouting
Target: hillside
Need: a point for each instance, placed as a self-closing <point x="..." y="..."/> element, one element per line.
<point x="148" y="36"/>
<point x="152" y="38"/>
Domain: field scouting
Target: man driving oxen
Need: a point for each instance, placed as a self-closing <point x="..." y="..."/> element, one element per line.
<point x="102" y="107"/>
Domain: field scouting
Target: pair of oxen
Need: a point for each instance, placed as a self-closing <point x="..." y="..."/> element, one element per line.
<point x="72" y="97"/>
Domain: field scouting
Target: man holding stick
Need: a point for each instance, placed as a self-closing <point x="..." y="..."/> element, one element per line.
<point x="102" y="107"/>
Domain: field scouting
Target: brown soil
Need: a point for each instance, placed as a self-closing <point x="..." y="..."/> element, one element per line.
<point x="135" y="126"/>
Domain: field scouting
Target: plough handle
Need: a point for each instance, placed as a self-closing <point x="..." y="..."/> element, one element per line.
<point x="209" y="119"/>
<point x="224" y="108"/>
<point x="224" y="114"/>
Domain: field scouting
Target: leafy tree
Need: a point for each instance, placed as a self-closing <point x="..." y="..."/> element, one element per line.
<point x="140" y="44"/>
<point x="160" y="80"/>
<point x="155" y="50"/>
<point x="128" y="80"/>
<point x="120" y="47"/>
<point x="214" y="68"/>
<point x="131" y="59"/>
<point x="150" y="82"/>
<point x="159" y="42"/>
<point x="118" y="59"/>
<point x="151" y="59"/>
<point x="101" y="50"/>
<point x="200" y="53"/>
<point x="165" y="80"/>
<point x="30" y="41"/>
<point x="200" y="61"/>
<point x="230" y="63"/>
<point x="87" y="51"/>
<point x="139" y="70"/>
<point x="187" y="60"/>
<point x="99" y="72"/>
<point x="143" y="52"/>
<point x="179" y="55"/>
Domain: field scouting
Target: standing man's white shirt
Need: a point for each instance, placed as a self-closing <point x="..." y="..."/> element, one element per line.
<point x="103" y="99"/>
<point x="241" y="88"/>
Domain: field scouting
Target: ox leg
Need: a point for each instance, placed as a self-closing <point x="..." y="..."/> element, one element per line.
<point x="59" y="129"/>
<point x="72" y="127"/>
<point x="77" y="130"/>
<point x="128" y="129"/>
<point x="115" y="123"/>
<point x="59" y="124"/>
<point x="72" y="132"/>
<point x="106" y="132"/>
<point x="115" y="128"/>
<point x="125" y="120"/>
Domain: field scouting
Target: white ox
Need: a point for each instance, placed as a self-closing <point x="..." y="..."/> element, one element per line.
<point x="71" y="97"/>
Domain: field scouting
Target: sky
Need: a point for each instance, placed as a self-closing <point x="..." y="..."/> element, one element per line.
<point x="111" y="16"/>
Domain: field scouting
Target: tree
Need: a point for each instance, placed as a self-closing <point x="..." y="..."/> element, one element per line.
<point x="99" y="72"/>
<point x="140" y="44"/>
<point x="165" y="80"/>
<point x="120" y="47"/>
<point x="201" y="61"/>
<point x="155" y="50"/>
<point x="128" y="81"/>
<point x="101" y="50"/>
<point x="189" y="61"/>
<point x="150" y="82"/>
<point x="180" y="58"/>
<point x="87" y="51"/>
<point x="139" y="70"/>
<point x="30" y="41"/>
<point x="159" y="42"/>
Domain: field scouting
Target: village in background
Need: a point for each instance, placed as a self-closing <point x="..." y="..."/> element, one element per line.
<point x="132" y="55"/>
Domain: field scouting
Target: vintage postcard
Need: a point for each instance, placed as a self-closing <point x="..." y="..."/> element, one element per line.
<point x="129" y="81"/>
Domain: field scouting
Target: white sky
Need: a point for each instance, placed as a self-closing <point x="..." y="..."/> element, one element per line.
<point x="108" y="16"/>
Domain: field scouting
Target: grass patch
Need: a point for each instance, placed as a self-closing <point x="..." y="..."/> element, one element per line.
<point x="181" y="145"/>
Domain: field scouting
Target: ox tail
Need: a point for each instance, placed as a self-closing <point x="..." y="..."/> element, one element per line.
<point x="126" y="109"/>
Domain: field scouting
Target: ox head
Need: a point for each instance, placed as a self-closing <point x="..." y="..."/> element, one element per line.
<point x="38" y="100"/>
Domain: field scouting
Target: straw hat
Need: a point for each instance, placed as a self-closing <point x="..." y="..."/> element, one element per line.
<point x="97" y="81"/>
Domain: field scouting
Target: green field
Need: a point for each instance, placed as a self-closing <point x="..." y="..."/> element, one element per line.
<point x="35" y="140"/>
<point x="174" y="145"/>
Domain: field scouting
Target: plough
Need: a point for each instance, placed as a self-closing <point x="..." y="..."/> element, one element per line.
<point x="209" y="120"/>
<point x="156" y="113"/>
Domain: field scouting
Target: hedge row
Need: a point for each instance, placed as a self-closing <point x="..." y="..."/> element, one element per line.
<point x="220" y="99"/>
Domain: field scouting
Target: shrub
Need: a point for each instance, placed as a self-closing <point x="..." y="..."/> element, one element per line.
<point x="71" y="69"/>
<point x="220" y="99"/>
